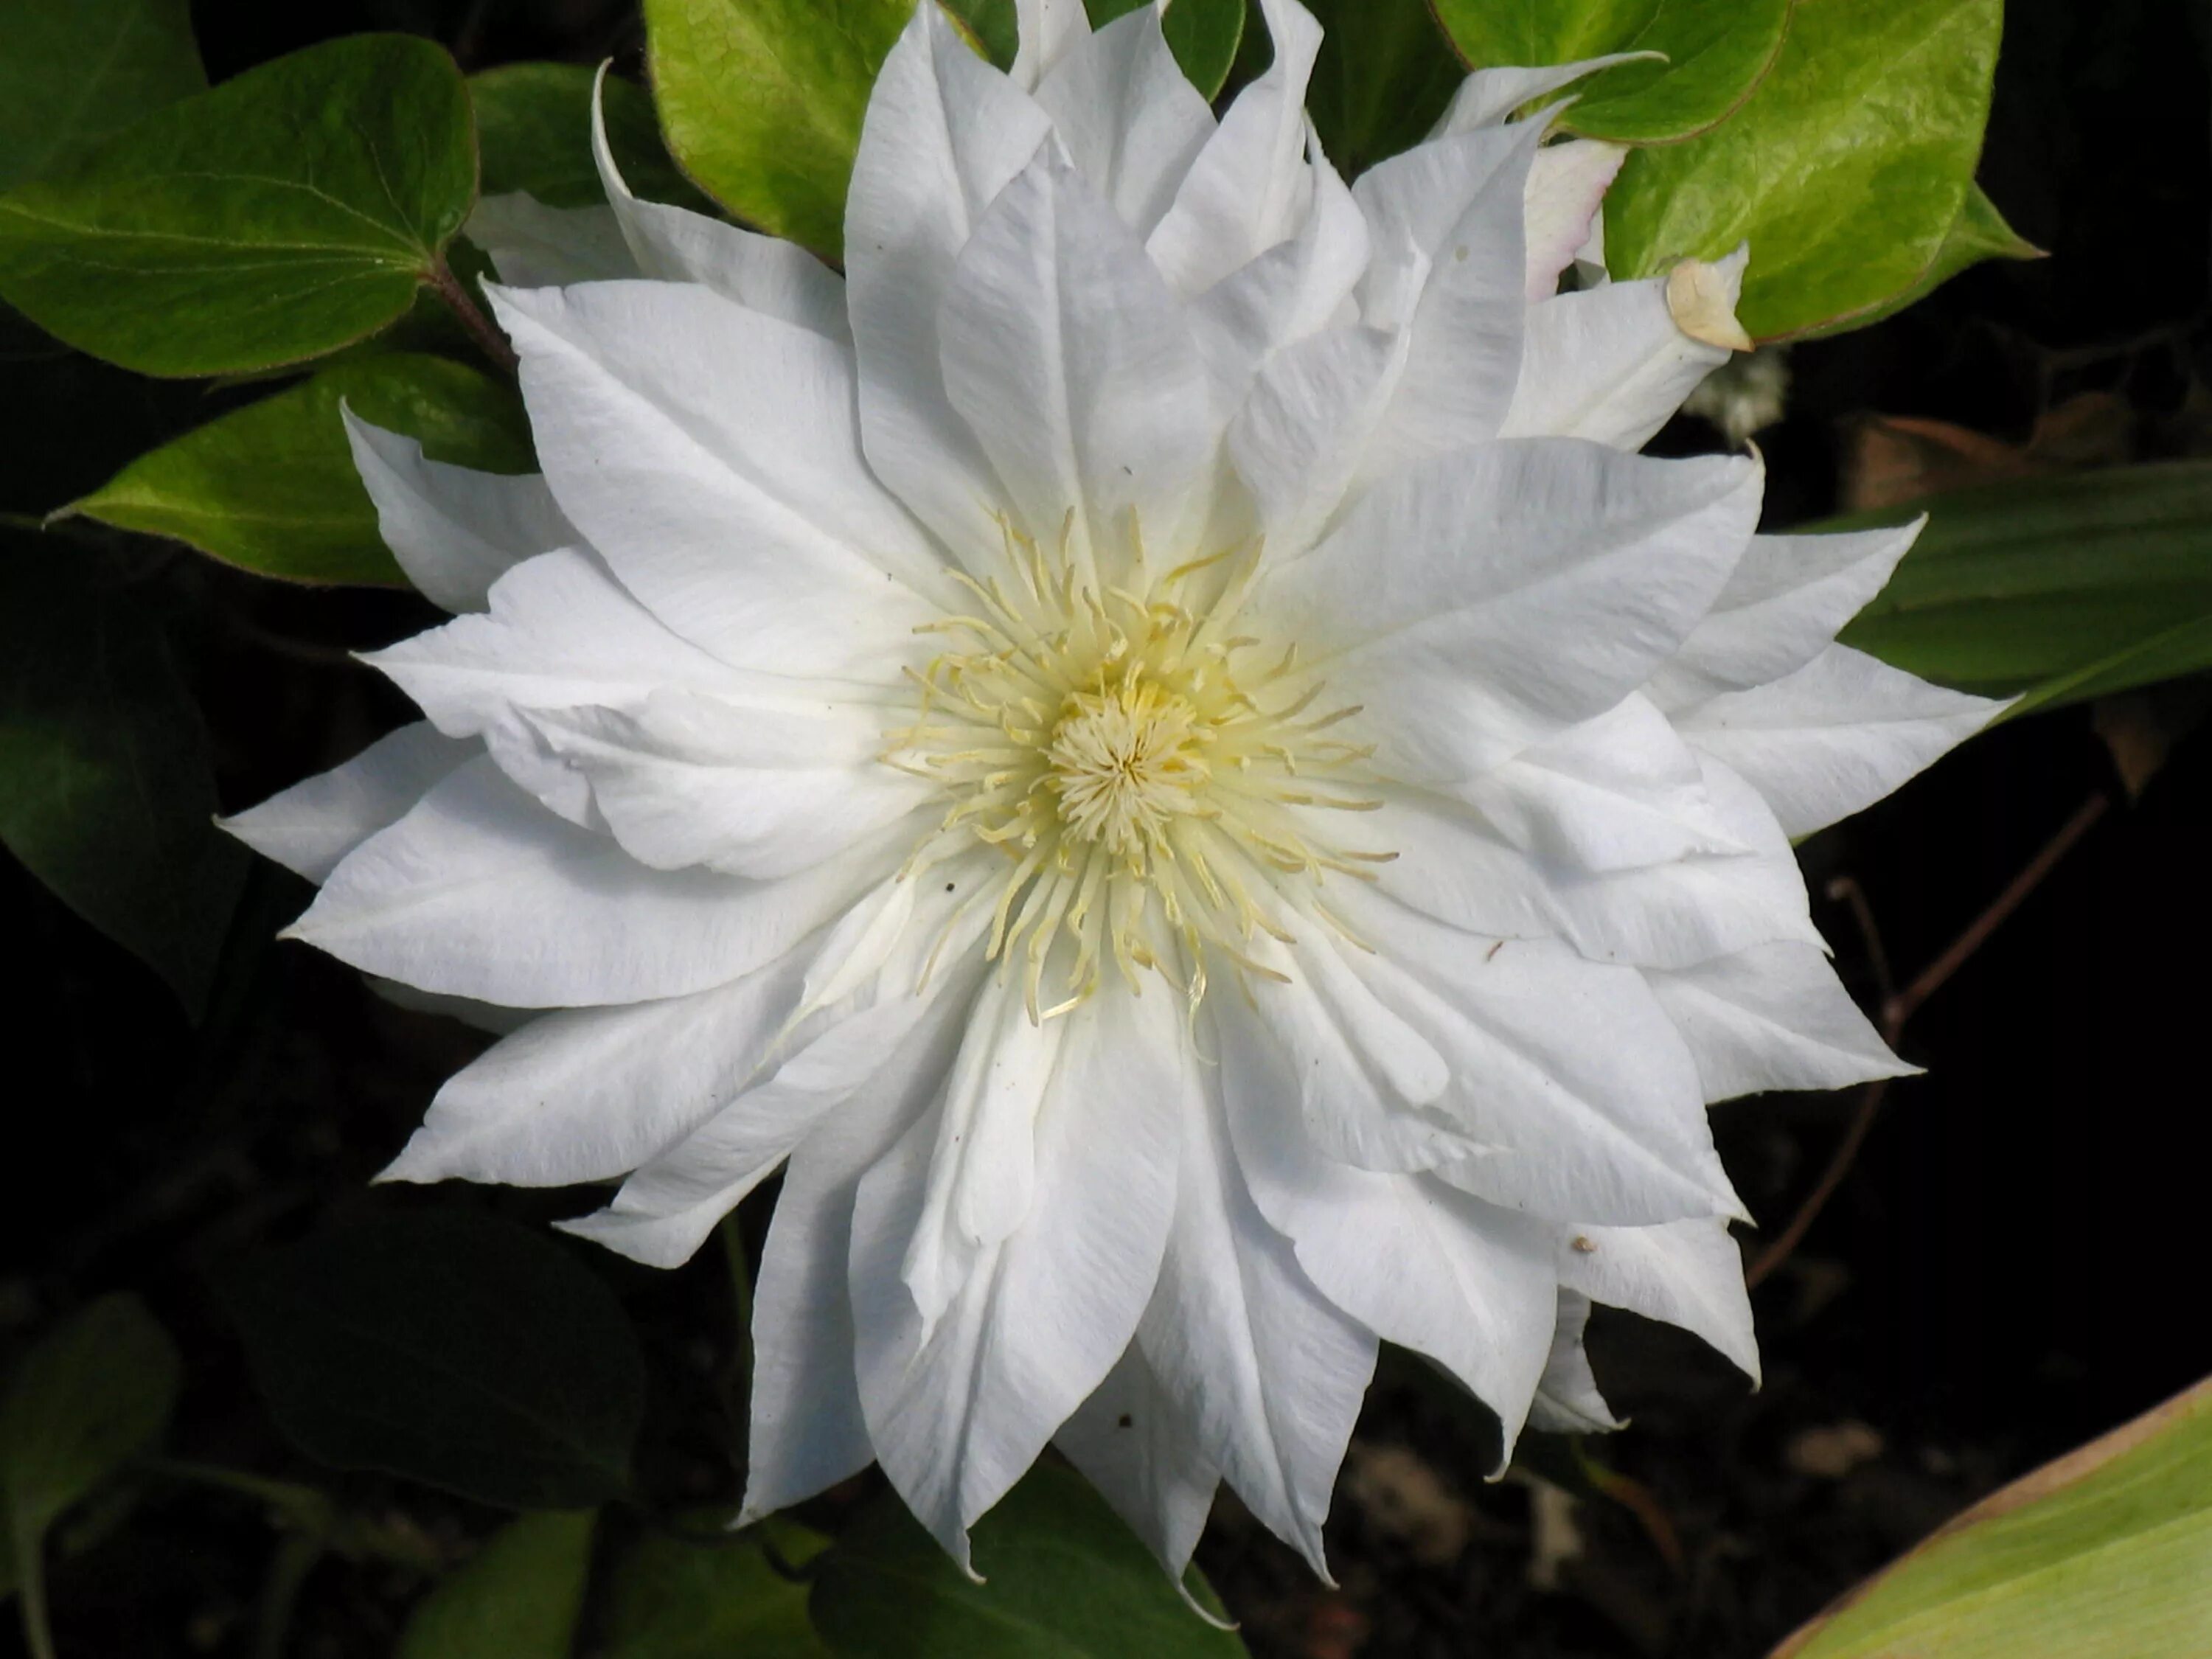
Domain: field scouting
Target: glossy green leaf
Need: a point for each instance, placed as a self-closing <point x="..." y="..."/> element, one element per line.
<point x="1064" y="1578"/>
<point x="671" y="1598"/>
<point x="761" y="102"/>
<point x="105" y="795"/>
<point x="71" y="73"/>
<point x="519" y="1598"/>
<point x="92" y="1393"/>
<point x="1978" y="233"/>
<point x="2057" y="590"/>
<point x="2104" y="1554"/>
<point x="277" y="217"/>
<point x="1845" y="170"/>
<point x="451" y="1348"/>
<point x="1204" y="34"/>
<point x="534" y="133"/>
<point x="1715" y="52"/>
<point x="271" y="488"/>
<point x="1384" y="74"/>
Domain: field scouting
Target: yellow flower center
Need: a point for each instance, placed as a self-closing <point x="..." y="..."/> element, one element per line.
<point x="1152" y="776"/>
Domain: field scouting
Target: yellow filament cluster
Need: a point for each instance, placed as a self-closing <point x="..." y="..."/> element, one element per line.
<point x="1148" y="774"/>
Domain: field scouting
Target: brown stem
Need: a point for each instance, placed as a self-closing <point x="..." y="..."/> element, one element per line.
<point x="471" y="317"/>
<point x="1898" y="1008"/>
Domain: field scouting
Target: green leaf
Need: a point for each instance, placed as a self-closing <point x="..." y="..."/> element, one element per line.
<point x="1204" y="35"/>
<point x="2058" y="590"/>
<point x="2108" y="1551"/>
<point x="74" y="73"/>
<point x="105" y="795"/>
<point x="1978" y="233"/>
<point x="519" y="1598"/>
<point x="93" y="1393"/>
<point x="1065" y="1579"/>
<point x="669" y="1598"/>
<point x="271" y="488"/>
<point x="761" y="102"/>
<point x="1715" y="52"/>
<point x="1384" y="74"/>
<point x="1845" y="170"/>
<point x="534" y="131"/>
<point x="451" y="1348"/>
<point x="279" y="216"/>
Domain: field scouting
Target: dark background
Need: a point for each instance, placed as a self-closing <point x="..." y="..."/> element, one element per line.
<point x="2006" y="1271"/>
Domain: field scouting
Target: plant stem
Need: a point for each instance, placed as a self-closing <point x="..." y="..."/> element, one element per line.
<point x="494" y="343"/>
<point x="1898" y="1007"/>
<point x="30" y="1571"/>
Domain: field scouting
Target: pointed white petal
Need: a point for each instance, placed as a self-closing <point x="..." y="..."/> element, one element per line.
<point x="454" y="531"/>
<point x="1490" y="96"/>
<point x="1072" y="365"/>
<point x="711" y="455"/>
<point x="1265" y="1373"/>
<point x="533" y="245"/>
<point x="1135" y="1446"/>
<point x="481" y="892"/>
<point x="1049" y="31"/>
<point x="959" y="1408"/>
<point x="1250" y="187"/>
<point x="1567" y="1400"/>
<point x="675" y="245"/>
<point x="1774" y="1017"/>
<point x="1131" y="119"/>
<point x="1297" y="440"/>
<point x="1780" y="610"/>
<point x="1685" y="1273"/>
<point x="1836" y="735"/>
<point x="310" y="827"/>
<point x="944" y="133"/>
<point x="1481" y="603"/>
<point x="1566" y="182"/>
<point x="1607" y="363"/>
<point x="1416" y="1261"/>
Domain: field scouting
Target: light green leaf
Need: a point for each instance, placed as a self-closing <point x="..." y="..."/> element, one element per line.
<point x="668" y="1599"/>
<point x="1064" y="1579"/>
<point x="105" y="790"/>
<point x="1715" y="52"/>
<point x="1204" y="35"/>
<point x="1845" y="170"/>
<point x="1384" y="74"/>
<point x="518" y="1599"/>
<point x="534" y="133"/>
<point x="93" y="1393"/>
<point x="73" y="73"/>
<point x="1978" y="233"/>
<point x="761" y="102"/>
<point x="271" y="488"/>
<point x="2104" y="1554"/>
<point x="2058" y="590"/>
<point x="277" y="217"/>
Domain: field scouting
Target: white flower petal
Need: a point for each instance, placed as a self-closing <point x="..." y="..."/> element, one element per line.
<point x="1566" y="183"/>
<point x="1607" y="363"/>
<point x="1265" y="1370"/>
<point x="310" y="827"/>
<point x="1774" y="1017"/>
<point x="1687" y="1273"/>
<point x="960" y="1407"/>
<point x="674" y="244"/>
<point x="710" y="454"/>
<point x="481" y="892"/>
<point x="1130" y="119"/>
<point x="1841" y="732"/>
<point x="1049" y="31"/>
<point x="1072" y="365"/>
<point x="1250" y="187"/>
<point x="533" y="245"/>
<point x="1296" y="442"/>
<point x="1136" y="1446"/>
<point x="1416" y="1263"/>
<point x="944" y="133"/>
<point x="1780" y="610"/>
<point x="1567" y="1400"/>
<point x="454" y="531"/>
<point x="1489" y="96"/>
<point x="1480" y="603"/>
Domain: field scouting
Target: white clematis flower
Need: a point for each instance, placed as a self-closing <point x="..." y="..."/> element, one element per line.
<point x="1154" y="747"/>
